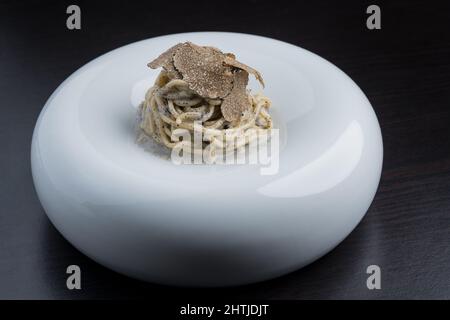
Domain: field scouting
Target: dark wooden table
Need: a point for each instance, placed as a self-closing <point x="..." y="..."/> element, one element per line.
<point x="404" y="69"/>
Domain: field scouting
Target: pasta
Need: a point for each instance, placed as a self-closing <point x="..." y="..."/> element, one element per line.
<point x="171" y="104"/>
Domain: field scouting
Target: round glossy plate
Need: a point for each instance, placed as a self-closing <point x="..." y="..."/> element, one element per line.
<point x="206" y="225"/>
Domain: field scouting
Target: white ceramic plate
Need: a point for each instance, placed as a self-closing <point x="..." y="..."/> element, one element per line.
<point x="143" y="216"/>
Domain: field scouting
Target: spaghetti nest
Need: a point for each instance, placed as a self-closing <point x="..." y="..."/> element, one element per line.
<point x="171" y="105"/>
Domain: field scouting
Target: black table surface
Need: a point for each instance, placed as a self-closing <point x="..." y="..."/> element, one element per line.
<point x="404" y="69"/>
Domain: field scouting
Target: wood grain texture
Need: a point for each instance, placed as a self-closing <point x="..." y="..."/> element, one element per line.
<point x="404" y="69"/>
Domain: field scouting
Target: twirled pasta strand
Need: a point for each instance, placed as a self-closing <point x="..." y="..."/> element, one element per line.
<point x="170" y="105"/>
